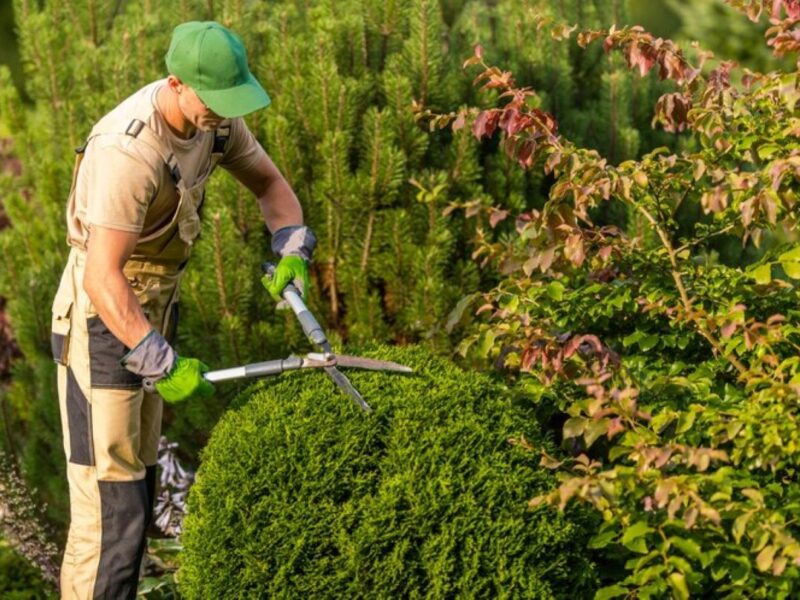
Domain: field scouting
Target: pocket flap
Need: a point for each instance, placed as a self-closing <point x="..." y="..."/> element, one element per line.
<point x="62" y="311"/>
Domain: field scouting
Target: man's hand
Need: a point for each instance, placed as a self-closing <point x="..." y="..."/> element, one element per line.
<point x="294" y="244"/>
<point x="290" y="269"/>
<point x="174" y="377"/>
<point x="185" y="380"/>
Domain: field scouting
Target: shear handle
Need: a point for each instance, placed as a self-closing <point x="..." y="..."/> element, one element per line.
<point x="290" y="293"/>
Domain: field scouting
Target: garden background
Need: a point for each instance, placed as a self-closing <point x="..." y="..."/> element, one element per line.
<point x="626" y="280"/>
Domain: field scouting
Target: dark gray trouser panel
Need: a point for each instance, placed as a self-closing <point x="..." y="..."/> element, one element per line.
<point x="150" y="480"/>
<point x="57" y="346"/>
<point x="105" y="354"/>
<point x="79" y="421"/>
<point x="124" y="519"/>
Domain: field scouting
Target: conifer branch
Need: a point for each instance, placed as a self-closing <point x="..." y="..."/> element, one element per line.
<point x="367" y="240"/>
<point x="92" y="8"/>
<point x="142" y="43"/>
<point x="424" y="66"/>
<point x="219" y="267"/>
<point x="113" y="16"/>
<point x="324" y="86"/>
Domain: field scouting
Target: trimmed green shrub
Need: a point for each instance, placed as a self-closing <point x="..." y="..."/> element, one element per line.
<point x="301" y="495"/>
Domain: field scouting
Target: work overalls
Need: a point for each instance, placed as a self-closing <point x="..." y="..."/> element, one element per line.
<point x="111" y="426"/>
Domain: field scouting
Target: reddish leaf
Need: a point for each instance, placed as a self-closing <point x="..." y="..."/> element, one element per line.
<point x="615" y="427"/>
<point x="574" y="250"/>
<point x="546" y="259"/>
<point x="479" y="126"/>
<point x="728" y="330"/>
<point x="496" y="216"/>
<point x="484" y="308"/>
<point x="638" y="58"/>
<point x="715" y="201"/>
<point x="553" y="161"/>
<point x="587" y="37"/>
<point x="672" y="110"/>
<point x="525" y="154"/>
<point x="508" y="119"/>
<point x="747" y="208"/>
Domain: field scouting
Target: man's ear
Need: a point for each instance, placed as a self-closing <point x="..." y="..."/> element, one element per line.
<point x="175" y="84"/>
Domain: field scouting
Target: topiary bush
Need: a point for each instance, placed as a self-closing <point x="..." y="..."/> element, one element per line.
<point x="301" y="495"/>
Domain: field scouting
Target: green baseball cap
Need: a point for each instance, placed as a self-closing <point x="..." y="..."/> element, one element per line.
<point x="212" y="60"/>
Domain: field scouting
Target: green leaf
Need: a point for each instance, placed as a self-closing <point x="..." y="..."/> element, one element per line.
<point x="760" y="542"/>
<point x="632" y="338"/>
<point x="638" y="545"/>
<point x="685" y="421"/>
<point x="677" y="582"/>
<point x="740" y="572"/>
<point x="754" y="495"/>
<point x="763" y="274"/>
<point x="765" y="557"/>
<point x="740" y="525"/>
<point x="792" y="269"/>
<point x="633" y="537"/>
<point x="617" y="451"/>
<point x="464" y="345"/>
<point x="555" y="290"/>
<point x="648" y="342"/>
<point x="765" y="151"/>
<point x="681" y="564"/>
<point x="574" y="427"/>
<point x="150" y="584"/>
<point x="602" y="539"/>
<point x="651" y="573"/>
<point x="594" y="429"/>
<point x="690" y="548"/>
<point x="611" y="591"/>
<point x="485" y="344"/>
<point x="455" y="315"/>
<point x="792" y="255"/>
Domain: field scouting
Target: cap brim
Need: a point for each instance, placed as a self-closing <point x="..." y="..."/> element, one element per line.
<point x="236" y="101"/>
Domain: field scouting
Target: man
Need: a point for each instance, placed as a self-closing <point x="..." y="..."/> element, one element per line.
<point x="132" y="217"/>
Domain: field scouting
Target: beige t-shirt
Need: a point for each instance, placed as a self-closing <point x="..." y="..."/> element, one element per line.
<point x="124" y="184"/>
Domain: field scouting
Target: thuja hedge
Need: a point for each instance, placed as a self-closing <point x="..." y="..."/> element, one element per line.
<point x="301" y="495"/>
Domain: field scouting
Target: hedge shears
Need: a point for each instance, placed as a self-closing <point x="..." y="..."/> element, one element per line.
<point x="326" y="359"/>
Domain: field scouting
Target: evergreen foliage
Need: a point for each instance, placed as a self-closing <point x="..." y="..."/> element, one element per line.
<point x="300" y="494"/>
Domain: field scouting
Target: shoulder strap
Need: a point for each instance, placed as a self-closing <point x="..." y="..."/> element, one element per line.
<point x="139" y="129"/>
<point x="221" y="136"/>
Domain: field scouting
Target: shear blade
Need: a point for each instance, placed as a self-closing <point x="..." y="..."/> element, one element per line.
<point x="371" y="364"/>
<point x="344" y="383"/>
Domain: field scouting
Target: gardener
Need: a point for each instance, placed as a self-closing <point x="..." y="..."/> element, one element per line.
<point x="133" y="215"/>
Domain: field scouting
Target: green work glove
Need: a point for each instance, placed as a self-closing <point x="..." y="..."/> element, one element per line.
<point x="163" y="371"/>
<point x="290" y="269"/>
<point x="185" y="380"/>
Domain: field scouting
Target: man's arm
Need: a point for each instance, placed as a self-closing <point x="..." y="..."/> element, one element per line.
<point x="279" y="204"/>
<point x="108" y="288"/>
